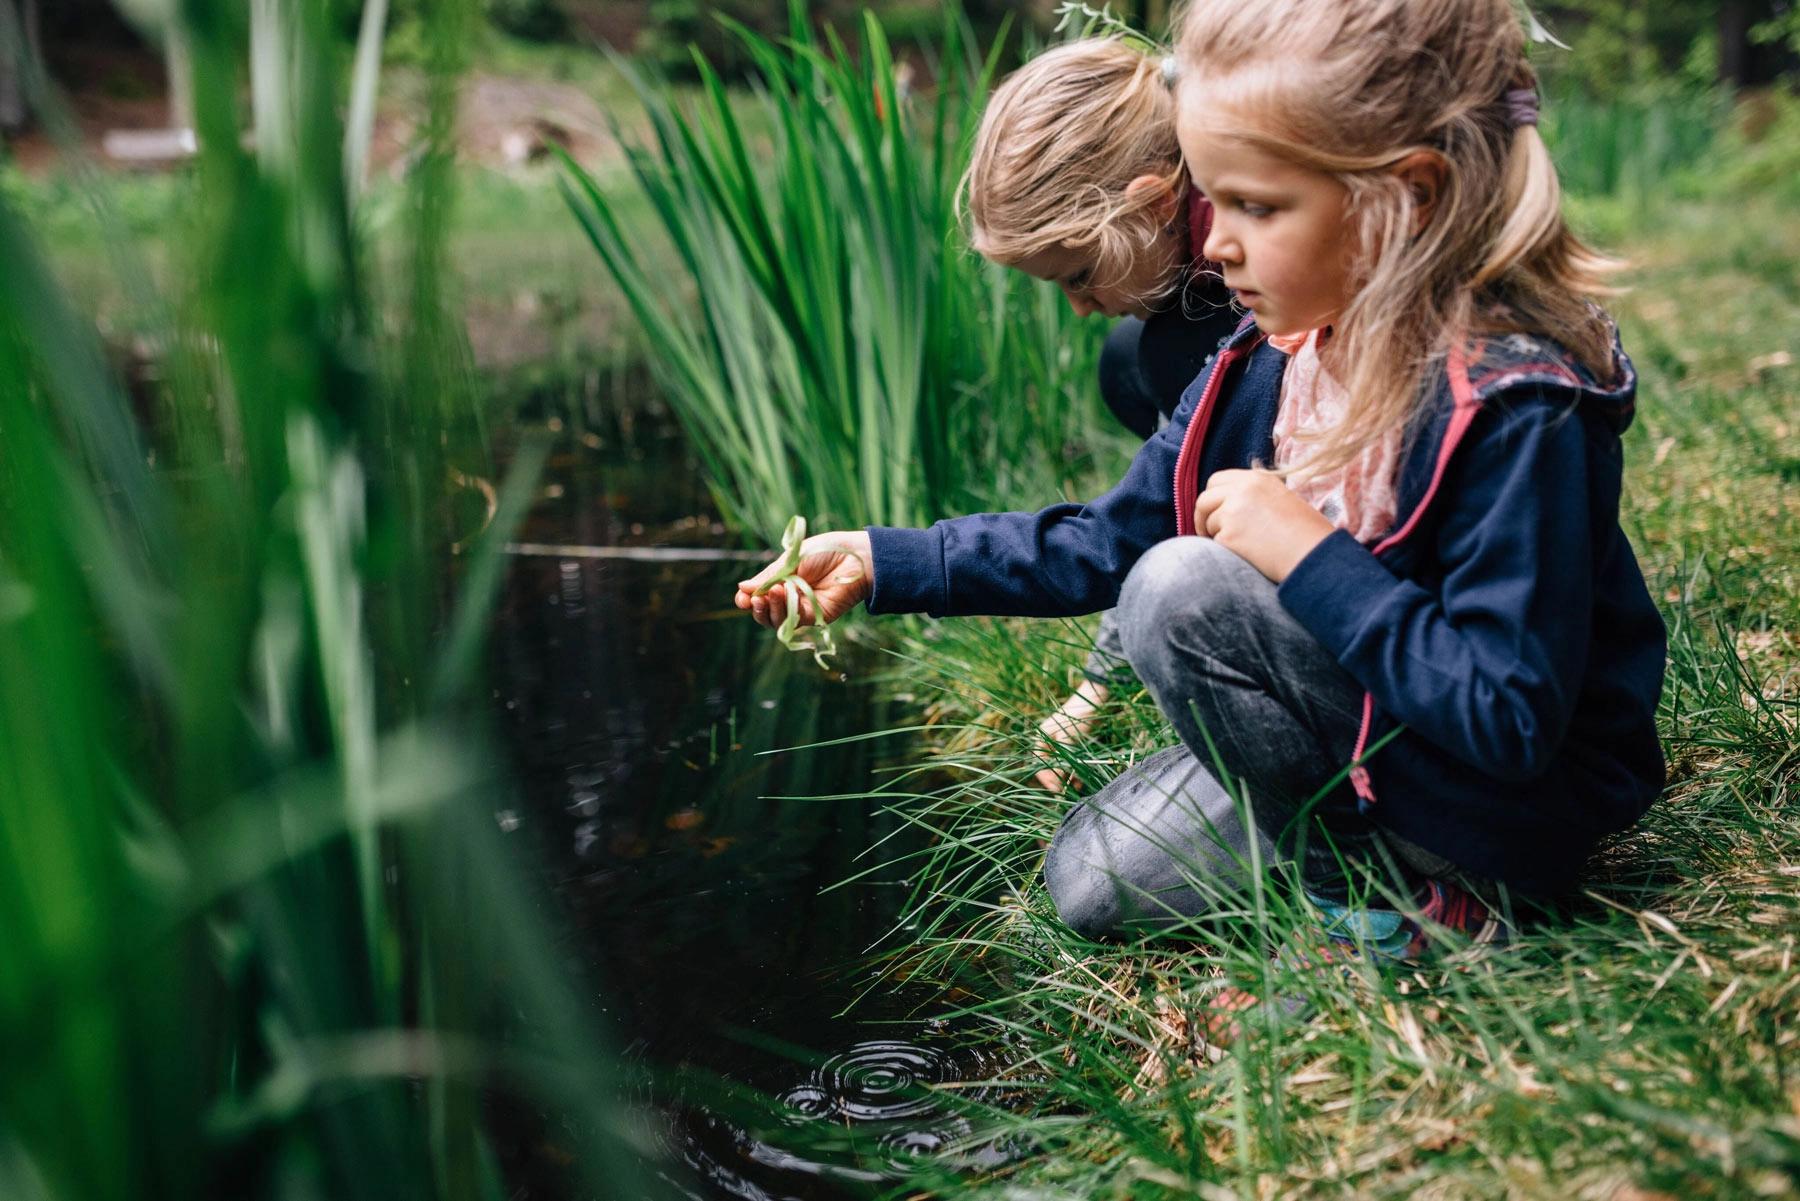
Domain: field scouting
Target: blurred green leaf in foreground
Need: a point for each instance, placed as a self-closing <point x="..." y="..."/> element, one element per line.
<point x="260" y="937"/>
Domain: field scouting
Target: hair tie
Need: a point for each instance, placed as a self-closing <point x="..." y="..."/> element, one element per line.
<point x="1171" y="71"/>
<point x="1521" y="107"/>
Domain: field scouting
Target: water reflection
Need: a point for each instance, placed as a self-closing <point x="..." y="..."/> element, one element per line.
<point x="864" y="1117"/>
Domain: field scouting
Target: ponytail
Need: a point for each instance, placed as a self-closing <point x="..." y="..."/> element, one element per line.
<point x="1543" y="272"/>
<point x="1534" y="222"/>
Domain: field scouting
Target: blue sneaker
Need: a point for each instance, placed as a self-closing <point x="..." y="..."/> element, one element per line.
<point x="1404" y="937"/>
<point x="1390" y="935"/>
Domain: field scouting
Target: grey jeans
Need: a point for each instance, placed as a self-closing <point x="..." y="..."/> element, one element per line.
<point x="1250" y="691"/>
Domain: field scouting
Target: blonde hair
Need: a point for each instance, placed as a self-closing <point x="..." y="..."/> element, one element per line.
<point x="1061" y="139"/>
<point x="1352" y="89"/>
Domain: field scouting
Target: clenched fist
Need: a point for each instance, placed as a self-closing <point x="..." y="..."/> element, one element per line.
<point x="1256" y="515"/>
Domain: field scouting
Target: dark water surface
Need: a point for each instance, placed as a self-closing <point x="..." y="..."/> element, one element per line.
<point x="637" y="705"/>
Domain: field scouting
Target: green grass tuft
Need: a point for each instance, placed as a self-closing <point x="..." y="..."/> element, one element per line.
<point x="261" y="936"/>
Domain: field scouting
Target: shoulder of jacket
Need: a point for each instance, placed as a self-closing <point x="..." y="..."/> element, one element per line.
<point x="1515" y="363"/>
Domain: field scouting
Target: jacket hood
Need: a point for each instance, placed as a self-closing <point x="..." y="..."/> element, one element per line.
<point x="1507" y="362"/>
<point x="1503" y="362"/>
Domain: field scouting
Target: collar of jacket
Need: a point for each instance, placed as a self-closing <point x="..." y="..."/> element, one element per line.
<point x="1239" y="396"/>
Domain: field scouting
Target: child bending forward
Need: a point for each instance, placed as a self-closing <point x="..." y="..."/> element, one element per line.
<point x="1380" y="531"/>
<point x="1076" y="179"/>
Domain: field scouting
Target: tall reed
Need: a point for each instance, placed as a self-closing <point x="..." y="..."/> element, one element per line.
<point x="261" y="938"/>
<point x="1634" y="149"/>
<point x="832" y="347"/>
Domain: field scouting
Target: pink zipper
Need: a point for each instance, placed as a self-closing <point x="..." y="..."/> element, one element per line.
<point x="1359" y="775"/>
<point x="1186" y="491"/>
<point x="1462" y="414"/>
<point x="1186" y="485"/>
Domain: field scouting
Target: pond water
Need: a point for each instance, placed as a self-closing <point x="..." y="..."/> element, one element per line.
<point x="695" y="868"/>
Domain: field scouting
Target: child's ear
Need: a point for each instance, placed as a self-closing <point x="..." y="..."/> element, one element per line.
<point x="1163" y="201"/>
<point x="1423" y="173"/>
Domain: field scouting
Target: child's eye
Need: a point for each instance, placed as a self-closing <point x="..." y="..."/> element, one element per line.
<point x="1251" y="209"/>
<point x="1079" y="280"/>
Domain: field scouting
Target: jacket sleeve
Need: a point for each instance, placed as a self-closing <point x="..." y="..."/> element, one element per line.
<point x="1488" y="664"/>
<point x="1061" y="561"/>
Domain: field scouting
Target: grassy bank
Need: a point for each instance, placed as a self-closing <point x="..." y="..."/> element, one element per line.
<point x="1645" y="1047"/>
<point x="519" y="270"/>
<point x="521" y="275"/>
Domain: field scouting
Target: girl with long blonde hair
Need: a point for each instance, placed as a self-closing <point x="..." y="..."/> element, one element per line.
<point x="1375" y="561"/>
<point x="1076" y="179"/>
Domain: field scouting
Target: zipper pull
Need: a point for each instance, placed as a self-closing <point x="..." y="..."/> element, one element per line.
<point x="1365" y="791"/>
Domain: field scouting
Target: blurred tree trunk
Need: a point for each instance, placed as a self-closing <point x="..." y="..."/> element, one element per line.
<point x="1734" y="41"/>
<point x="14" y="40"/>
<point x="1743" y="63"/>
<point x="181" y="82"/>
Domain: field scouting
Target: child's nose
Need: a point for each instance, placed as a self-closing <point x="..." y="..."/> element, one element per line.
<point x="1220" y="246"/>
<point x="1083" y="305"/>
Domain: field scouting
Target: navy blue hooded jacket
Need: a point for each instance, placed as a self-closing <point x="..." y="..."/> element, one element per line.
<point x="1504" y="622"/>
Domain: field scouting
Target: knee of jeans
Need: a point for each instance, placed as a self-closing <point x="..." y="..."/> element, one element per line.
<point x="1177" y="578"/>
<point x="1086" y="897"/>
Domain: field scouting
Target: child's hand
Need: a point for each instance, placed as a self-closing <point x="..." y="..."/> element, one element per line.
<point x="838" y="565"/>
<point x="1067" y="727"/>
<point x="1256" y="515"/>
